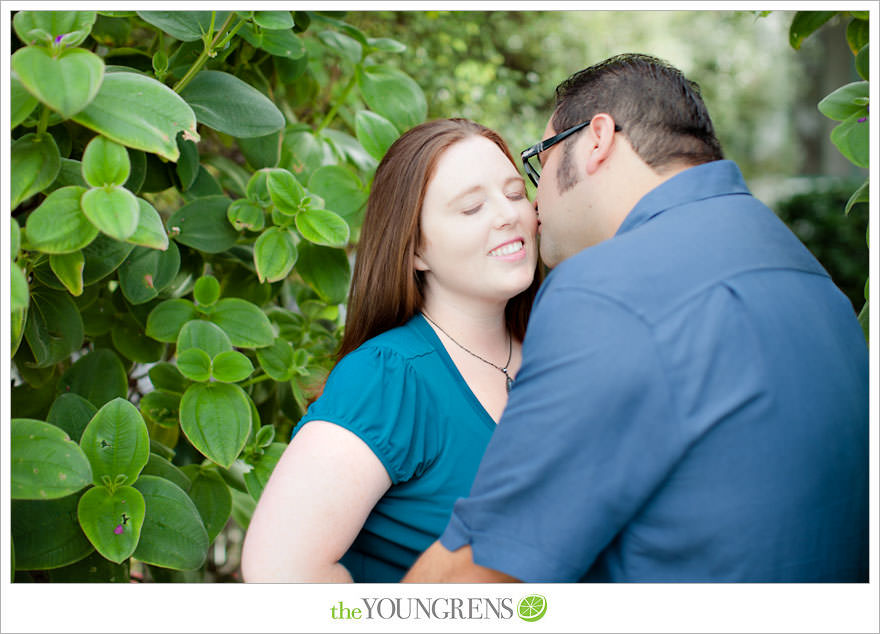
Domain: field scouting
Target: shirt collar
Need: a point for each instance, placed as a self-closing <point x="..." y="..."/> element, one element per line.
<point x="707" y="180"/>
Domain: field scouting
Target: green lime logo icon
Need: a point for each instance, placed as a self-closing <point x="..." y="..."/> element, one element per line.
<point x="532" y="607"/>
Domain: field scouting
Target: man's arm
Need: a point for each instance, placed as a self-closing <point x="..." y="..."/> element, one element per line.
<point x="438" y="565"/>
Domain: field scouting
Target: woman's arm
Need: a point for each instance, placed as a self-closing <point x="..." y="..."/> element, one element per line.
<point x="317" y="500"/>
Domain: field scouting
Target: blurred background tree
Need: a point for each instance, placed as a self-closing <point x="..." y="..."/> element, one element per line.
<point x="501" y="68"/>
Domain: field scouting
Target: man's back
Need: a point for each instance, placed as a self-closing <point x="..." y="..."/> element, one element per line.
<point x="719" y="427"/>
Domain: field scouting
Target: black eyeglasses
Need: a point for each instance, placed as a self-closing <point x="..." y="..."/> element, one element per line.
<point x="534" y="172"/>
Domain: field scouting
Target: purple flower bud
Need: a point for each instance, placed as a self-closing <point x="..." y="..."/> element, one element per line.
<point x="118" y="530"/>
<point x="59" y="38"/>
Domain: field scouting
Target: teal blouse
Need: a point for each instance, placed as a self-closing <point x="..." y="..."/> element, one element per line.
<point x="402" y="395"/>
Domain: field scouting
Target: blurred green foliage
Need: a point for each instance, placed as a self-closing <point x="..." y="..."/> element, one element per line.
<point x="838" y="241"/>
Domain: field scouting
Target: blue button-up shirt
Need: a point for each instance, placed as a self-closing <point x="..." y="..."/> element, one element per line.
<point x="692" y="406"/>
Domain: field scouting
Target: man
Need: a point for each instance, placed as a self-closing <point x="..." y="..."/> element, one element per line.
<point x="693" y="401"/>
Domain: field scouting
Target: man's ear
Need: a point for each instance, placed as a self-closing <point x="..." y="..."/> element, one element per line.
<point x="601" y="139"/>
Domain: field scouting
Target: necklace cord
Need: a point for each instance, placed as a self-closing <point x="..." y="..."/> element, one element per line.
<point x="474" y="354"/>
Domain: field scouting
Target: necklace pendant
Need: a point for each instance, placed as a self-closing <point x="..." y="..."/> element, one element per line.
<point x="509" y="382"/>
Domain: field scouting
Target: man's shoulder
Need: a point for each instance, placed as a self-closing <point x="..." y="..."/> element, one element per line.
<point x="683" y="252"/>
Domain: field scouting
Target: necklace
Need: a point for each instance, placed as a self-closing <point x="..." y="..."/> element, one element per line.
<point x="508" y="379"/>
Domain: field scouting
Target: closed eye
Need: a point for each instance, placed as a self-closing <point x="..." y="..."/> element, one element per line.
<point x="472" y="210"/>
<point x="516" y="195"/>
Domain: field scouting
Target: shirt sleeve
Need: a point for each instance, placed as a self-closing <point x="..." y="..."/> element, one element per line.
<point x="377" y="395"/>
<point x="576" y="453"/>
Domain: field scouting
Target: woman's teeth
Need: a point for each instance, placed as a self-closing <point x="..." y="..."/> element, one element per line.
<point x="507" y="249"/>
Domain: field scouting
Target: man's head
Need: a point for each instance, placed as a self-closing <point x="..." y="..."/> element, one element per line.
<point x="646" y="122"/>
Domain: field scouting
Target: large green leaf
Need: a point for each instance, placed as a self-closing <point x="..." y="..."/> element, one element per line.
<point x="46" y="463"/>
<point x="47" y="534"/>
<point x="851" y="138"/>
<point x="857" y="33"/>
<point x="113" y="210"/>
<point x="141" y="113"/>
<point x="66" y="81"/>
<point x="146" y="272"/>
<point x="59" y="225"/>
<point x="195" y="364"/>
<point x="34" y="164"/>
<point x="98" y="377"/>
<point x="277" y="360"/>
<point x="805" y="23"/>
<point x="262" y="151"/>
<point x="202" y="224"/>
<point x="103" y="256"/>
<point x="231" y="366"/>
<point x="211" y="496"/>
<point x="284" y="190"/>
<point x="216" y="418"/>
<point x="863" y="62"/>
<point x="68" y="268"/>
<point x="283" y="43"/>
<point x="375" y="133"/>
<point x="105" y="163"/>
<point x="321" y="226"/>
<point x="246" y="325"/>
<point x="173" y="535"/>
<point x="845" y="101"/>
<point x="159" y="466"/>
<point x="274" y="20"/>
<point x="326" y="270"/>
<point x="302" y="152"/>
<point x="19" y="293"/>
<point x="165" y="320"/>
<point x="274" y="254"/>
<point x="129" y="339"/>
<point x="150" y="231"/>
<point x="21" y="102"/>
<point x="340" y="188"/>
<point x="206" y="291"/>
<point x="187" y="26"/>
<point x="349" y="48"/>
<point x="116" y="443"/>
<point x="227" y="104"/>
<point x="187" y="169"/>
<point x="54" y="327"/>
<point x="205" y="336"/>
<point x="72" y="413"/>
<point x="165" y="376"/>
<point x="861" y="195"/>
<point x="45" y="27"/>
<point x="394" y="95"/>
<point x="256" y="478"/>
<point x="112" y="521"/>
<point x="160" y="407"/>
<point x="92" y="569"/>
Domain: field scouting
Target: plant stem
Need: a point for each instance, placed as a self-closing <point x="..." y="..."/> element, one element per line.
<point x="341" y="100"/>
<point x="203" y="58"/>
<point x="44" y="120"/>
<point x="262" y="377"/>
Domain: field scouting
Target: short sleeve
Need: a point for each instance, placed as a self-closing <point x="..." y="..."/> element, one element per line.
<point x="577" y="451"/>
<point x="376" y="394"/>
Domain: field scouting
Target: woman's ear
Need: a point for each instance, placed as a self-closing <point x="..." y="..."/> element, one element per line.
<point x="419" y="264"/>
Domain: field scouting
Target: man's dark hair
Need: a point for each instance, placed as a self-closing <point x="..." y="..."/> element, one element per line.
<point x="660" y="110"/>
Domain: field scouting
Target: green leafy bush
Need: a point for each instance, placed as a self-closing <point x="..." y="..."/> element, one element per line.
<point x="185" y="191"/>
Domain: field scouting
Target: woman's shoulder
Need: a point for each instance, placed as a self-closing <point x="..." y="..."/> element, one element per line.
<point x="406" y="342"/>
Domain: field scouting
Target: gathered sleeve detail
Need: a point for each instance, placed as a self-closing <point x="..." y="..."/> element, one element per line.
<point x="378" y="395"/>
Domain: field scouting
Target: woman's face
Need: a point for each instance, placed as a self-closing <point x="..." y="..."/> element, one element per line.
<point x="478" y="227"/>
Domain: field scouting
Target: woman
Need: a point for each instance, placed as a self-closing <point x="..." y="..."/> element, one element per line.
<point x="440" y="296"/>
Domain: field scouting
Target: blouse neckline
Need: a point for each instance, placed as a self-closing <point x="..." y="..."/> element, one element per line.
<point x="428" y="333"/>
